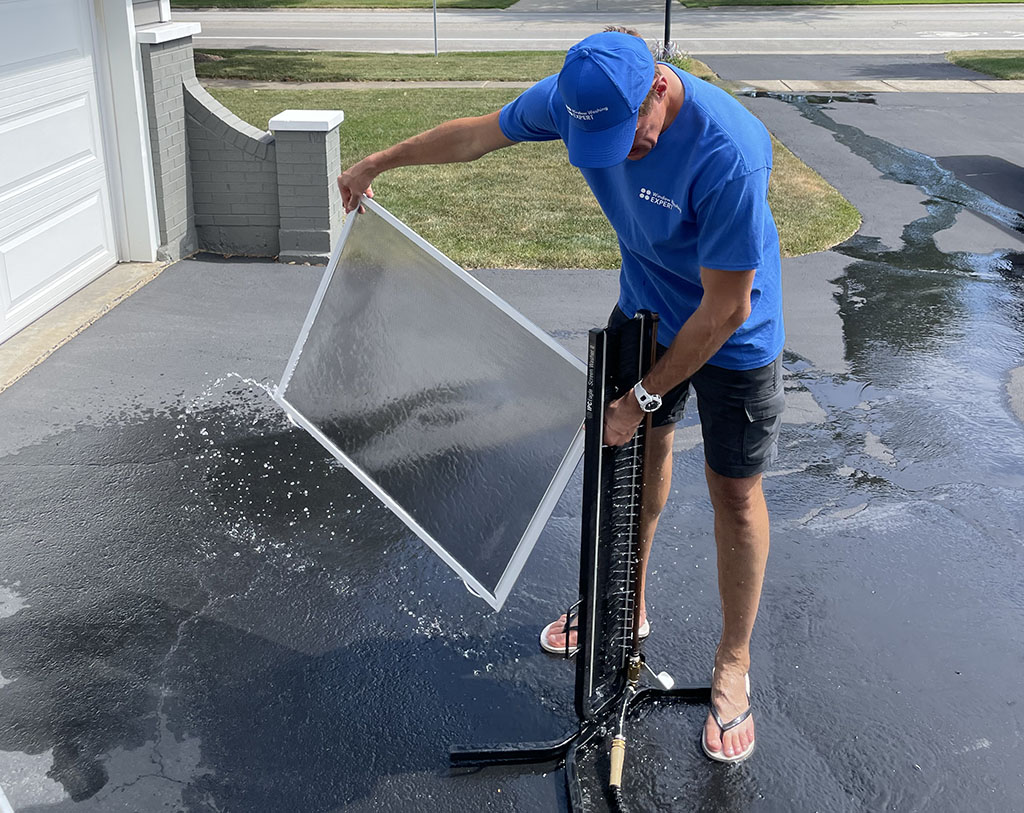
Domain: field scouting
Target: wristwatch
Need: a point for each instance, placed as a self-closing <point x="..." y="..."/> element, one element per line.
<point x="649" y="402"/>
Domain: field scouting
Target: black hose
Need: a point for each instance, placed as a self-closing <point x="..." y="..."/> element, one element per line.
<point x="618" y="802"/>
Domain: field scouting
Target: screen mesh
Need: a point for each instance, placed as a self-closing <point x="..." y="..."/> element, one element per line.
<point x="455" y="410"/>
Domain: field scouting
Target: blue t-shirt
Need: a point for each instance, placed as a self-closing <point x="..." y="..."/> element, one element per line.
<point x="699" y="198"/>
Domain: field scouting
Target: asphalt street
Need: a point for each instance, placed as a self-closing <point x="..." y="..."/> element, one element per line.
<point x="200" y="611"/>
<point x="919" y="29"/>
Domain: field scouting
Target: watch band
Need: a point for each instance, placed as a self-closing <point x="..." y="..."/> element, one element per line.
<point x="649" y="402"/>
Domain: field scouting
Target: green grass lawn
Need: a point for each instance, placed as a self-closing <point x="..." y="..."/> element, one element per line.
<point x="340" y="66"/>
<point x="522" y="207"/>
<point x="193" y="4"/>
<point x="1000" y="64"/>
<point x="337" y="66"/>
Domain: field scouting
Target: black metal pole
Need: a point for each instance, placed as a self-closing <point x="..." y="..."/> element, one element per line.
<point x="668" y="26"/>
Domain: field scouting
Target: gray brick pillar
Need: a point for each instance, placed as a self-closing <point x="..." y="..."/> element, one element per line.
<point x="166" y="61"/>
<point x="308" y="164"/>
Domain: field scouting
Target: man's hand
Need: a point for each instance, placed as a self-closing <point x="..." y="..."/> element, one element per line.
<point x="354" y="182"/>
<point x="621" y="419"/>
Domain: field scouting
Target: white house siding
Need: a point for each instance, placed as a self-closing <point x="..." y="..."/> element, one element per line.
<point x="149" y="12"/>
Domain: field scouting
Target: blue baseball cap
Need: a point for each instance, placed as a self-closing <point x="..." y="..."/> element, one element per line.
<point x="603" y="82"/>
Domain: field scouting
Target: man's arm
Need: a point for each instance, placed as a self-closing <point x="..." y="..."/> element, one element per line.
<point x="457" y="140"/>
<point x="724" y="307"/>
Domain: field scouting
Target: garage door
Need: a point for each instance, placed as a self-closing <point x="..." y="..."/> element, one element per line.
<point x="56" y="229"/>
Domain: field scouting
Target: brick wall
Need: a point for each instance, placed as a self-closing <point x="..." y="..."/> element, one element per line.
<point x="222" y="185"/>
<point x="234" y="178"/>
<point x="162" y="69"/>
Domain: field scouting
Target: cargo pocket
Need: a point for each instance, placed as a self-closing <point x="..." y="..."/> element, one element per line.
<point x="764" y="418"/>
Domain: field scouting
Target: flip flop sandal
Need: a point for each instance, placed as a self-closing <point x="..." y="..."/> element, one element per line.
<point x="719" y="756"/>
<point x="564" y="628"/>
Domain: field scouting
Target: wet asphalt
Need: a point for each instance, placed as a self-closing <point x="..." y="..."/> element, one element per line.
<point x="200" y="612"/>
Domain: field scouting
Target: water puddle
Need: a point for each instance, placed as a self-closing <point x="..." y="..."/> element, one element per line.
<point x="811" y="98"/>
<point x="220" y="593"/>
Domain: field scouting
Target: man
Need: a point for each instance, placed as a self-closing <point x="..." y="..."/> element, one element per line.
<point x="681" y="171"/>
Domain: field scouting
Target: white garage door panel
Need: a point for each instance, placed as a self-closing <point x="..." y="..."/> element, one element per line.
<point x="35" y="32"/>
<point x="56" y="223"/>
<point x="59" y="139"/>
<point x="21" y="212"/>
<point x="62" y="244"/>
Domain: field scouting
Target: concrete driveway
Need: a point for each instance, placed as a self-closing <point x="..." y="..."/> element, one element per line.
<point x="199" y="611"/>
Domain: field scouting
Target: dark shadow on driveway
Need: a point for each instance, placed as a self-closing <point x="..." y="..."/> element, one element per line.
<point x="996" y="177"/>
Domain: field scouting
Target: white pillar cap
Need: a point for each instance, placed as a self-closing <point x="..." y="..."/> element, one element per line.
<point x="166" y="32"/>
<point x="306" y="121"/>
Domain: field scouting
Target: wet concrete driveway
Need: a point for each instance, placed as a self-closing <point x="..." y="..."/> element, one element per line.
<point x="200" y="612"/>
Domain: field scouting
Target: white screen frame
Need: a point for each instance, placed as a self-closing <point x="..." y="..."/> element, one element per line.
<point x="556" y="486"/>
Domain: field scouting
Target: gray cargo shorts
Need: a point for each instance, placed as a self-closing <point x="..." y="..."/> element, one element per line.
<point x="740" y="412"/>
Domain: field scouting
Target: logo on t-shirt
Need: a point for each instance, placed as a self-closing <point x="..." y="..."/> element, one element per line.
<point x="585" y="115"/>
<point x="659" y="200"/>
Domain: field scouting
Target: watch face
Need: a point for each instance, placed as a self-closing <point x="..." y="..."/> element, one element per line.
<point x="649" y="402"/>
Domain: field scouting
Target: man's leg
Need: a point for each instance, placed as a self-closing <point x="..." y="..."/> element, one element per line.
<point x="657" y="484"/>
<point x="742" y="539"/>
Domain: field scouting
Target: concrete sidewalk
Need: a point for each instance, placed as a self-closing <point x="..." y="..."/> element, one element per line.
<point x="878" y="85"/>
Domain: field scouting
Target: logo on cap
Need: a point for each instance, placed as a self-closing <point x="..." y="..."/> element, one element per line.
<point x="585" y="115"/>
<point x="602" y="84"/>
